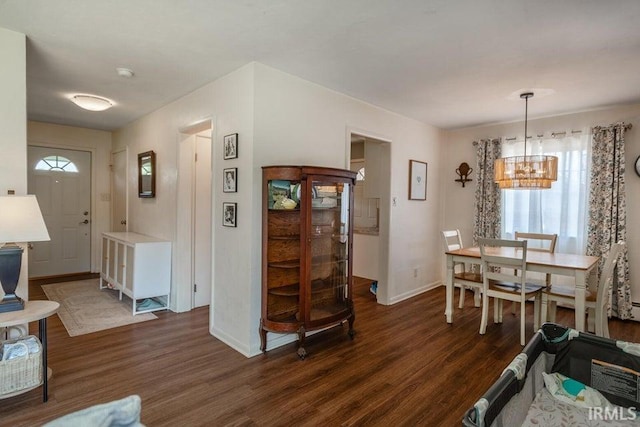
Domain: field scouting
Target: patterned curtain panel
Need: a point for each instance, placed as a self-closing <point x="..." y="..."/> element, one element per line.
<point x="486" y="215"/>
<point x="608" y="211"/>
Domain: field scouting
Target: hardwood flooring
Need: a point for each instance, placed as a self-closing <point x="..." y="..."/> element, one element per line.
<point x="406" y="366"/>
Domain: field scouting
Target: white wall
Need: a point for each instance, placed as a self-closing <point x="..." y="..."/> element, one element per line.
<point x="13" y="128"/>
<point x="458" y="202"/>
<point x="229" y="103"/>
<point x="99" y="144"/>
<point x="298" y="122"/>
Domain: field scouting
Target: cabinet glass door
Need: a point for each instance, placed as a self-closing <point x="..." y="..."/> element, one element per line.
<point x="329" y="237"/>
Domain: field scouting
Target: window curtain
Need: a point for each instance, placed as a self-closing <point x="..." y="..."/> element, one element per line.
<point x="486" y="215"/>
<point x="607" y="210"/>
<point x="561" y="209"/>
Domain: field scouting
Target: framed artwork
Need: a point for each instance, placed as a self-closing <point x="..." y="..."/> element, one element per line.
<point x="229" y="180"/>
<point x="229" y="214"/>
<point x="231" y="146"/>
<point x="417" y="180"/>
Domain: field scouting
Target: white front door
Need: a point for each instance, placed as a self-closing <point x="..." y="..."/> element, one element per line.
<point x="61" y="181"/>
<point x="202" y="223"/>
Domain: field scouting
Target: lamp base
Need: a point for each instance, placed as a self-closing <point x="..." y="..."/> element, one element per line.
<point x="11" y="303"/>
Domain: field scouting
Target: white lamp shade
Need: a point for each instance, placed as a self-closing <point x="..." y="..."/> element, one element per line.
<point x="21" y="220"/>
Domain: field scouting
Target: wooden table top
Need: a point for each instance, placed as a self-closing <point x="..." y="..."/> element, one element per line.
<point x="573" y="261"/>
<point x="33" y="310"/>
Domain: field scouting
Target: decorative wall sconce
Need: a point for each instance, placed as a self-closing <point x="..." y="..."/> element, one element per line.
<point x="463" y="172"/>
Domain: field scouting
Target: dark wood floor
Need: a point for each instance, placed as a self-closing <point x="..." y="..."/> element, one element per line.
<point x="406" y="366"/>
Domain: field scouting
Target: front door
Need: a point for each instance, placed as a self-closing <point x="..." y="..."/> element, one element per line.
<point x="61" y="181"/>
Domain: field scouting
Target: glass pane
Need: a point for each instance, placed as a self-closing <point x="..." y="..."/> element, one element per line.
<point x="283" y="252"/>
<point x="329" y="246"/>
<point x="56" y="163"/>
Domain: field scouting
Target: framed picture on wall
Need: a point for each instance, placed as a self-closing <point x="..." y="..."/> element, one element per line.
<point x="229" y="180"/>
<point x="231" y="146"/>
<point x="417" y="180"/>
<point x="229" y="214"/>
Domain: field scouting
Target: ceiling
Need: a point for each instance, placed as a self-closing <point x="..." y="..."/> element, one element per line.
<point x="448" y="63"/>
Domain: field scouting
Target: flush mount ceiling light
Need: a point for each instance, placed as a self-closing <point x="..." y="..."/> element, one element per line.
<point x="526" y="172"/>
<point x="92" y="102"/>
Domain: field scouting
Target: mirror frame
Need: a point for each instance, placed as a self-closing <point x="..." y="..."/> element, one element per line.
<point x="147" y="192"/>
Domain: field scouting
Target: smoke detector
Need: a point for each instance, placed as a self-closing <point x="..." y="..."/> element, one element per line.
<point x="125" y="72"/>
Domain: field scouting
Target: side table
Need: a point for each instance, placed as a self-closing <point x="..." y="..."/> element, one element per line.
<point x="33" y="310"/>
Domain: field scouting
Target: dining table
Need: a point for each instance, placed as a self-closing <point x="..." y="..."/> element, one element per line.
<point x="583" y="268"/>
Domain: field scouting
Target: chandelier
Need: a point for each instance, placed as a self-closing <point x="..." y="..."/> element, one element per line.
<point x="526" y="172"/>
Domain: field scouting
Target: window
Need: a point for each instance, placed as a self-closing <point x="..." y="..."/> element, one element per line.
<point x="561" y="209"/>
<point x="56" y="163"/>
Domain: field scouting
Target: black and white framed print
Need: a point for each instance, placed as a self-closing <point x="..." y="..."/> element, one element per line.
<point x="231" y="146"/>
<point x="229" y="214"/>
<point x="230" y="180"/>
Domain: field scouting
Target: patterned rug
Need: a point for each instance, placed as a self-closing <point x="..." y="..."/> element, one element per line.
<point x="85" y="308"/>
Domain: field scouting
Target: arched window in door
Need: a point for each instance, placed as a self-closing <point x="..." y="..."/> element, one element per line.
<point x="56" y="163"/>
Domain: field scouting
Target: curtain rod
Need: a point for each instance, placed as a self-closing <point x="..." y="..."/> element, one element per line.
<point x="541" y="135"/>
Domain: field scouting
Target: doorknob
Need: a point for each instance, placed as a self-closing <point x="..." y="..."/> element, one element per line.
<point x="86" y="221"/>
<point x="85" y="213"/>
<point x="123" y="222"/>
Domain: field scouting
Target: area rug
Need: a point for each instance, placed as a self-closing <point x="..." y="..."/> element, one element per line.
<point x="85" y="308"/>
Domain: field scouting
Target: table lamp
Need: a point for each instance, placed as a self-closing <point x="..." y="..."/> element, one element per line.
<point x="20" y="221"/>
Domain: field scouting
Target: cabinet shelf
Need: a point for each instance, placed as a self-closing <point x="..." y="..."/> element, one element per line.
<point x="291" y="237"/>
<point x="286" y="291"/>
<point x="294" y="263"/>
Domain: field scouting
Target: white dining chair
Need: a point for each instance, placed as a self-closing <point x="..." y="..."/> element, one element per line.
<point x="463" y="277"/>
<point x="595" y="300"/>
<point x="499" y="257"/>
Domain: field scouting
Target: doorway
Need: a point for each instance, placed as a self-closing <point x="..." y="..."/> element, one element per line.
<point x="194" y="215"/>
<point x="119" y="181"/>
<point x="61" y="181"/>
<point x="370" y="159"/>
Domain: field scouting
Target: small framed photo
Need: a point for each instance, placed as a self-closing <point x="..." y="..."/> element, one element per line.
<point x="230" y="180"/>
<point x="417" y="180"/>
<point x="231" y="146"/>
<point x="229" y="214"/>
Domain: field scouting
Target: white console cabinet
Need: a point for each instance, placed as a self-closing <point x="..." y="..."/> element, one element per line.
<point x="138" y="266"/>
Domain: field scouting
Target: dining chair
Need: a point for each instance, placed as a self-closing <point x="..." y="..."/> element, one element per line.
<point x="463" y="277"/>
<point x="595" y="300"/>
<point x="498" y="258"/>
<point x="537" y="242"/>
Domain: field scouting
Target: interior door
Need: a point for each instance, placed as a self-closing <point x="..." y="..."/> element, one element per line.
<point x="202" y="223"/>
<point x="61" y="180"/>
<point x="119" y="191"/>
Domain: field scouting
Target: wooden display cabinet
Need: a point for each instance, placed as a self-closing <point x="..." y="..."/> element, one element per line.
<point x="307" y="241"/>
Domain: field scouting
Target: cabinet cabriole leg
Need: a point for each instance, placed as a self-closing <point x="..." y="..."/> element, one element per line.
<point x="302" y="353"/>
<point x="263" y="338"/>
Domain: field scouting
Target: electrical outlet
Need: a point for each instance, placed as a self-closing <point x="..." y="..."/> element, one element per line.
<point x="394" y="201"/>
<point x="415" y="272"/>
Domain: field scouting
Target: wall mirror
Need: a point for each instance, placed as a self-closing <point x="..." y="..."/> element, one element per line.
<point x="147" y="174"/>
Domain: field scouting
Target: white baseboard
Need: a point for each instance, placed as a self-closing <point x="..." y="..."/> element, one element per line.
<point x="414" y="292"/>
<point x="635" y="312"/>
<point x="231" y="342"/>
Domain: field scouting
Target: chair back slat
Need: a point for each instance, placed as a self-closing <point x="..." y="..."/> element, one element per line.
<point x="547" y="241"/>
<point x="452" y="240"/>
